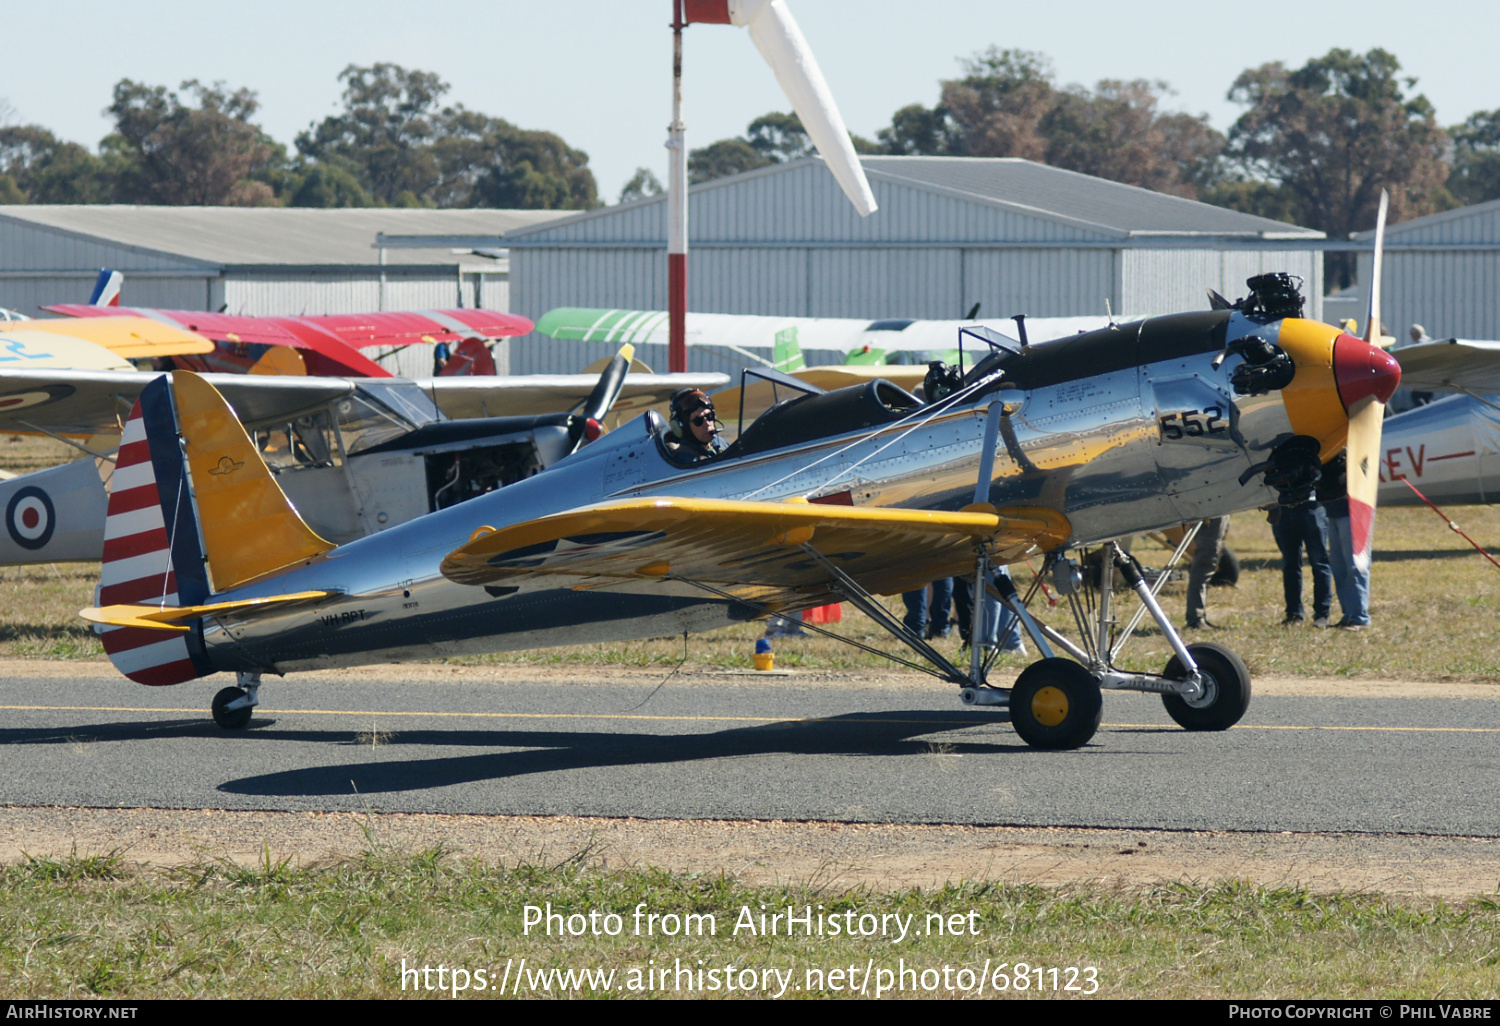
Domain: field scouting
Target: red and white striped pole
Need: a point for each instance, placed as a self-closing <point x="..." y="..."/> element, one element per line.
<point x="776" y="35"/>
<point x="677" y="208"/>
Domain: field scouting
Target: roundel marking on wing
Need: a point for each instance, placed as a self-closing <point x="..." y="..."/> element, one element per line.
<point x="34" y="397"/>
<point x="30" y="517"/>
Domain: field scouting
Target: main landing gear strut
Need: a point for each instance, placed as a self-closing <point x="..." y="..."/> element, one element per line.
<point x="1056" y="702"/>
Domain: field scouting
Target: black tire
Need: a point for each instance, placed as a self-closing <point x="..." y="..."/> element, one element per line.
<point x="1227" y="573"/>
<point x="230" y="719"/>
<point x="1226" y="684"/>
<point x="1055" y="704"/>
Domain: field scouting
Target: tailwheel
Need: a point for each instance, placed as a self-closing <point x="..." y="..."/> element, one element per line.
<point x="1226" y="689"/>
<point x="1055" y="704"/>
<point x="231" y="719"/>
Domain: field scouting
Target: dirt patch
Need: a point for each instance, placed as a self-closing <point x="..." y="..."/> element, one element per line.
<point x="832" y="854"/>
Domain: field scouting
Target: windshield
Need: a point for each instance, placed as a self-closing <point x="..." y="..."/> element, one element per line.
<point x="405" y="399"/>
<point x="304" y="442"/>
<point x="364" y="423"/>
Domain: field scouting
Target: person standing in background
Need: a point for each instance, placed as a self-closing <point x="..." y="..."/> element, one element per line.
<point x="1208" y="546"/>
<point x="1299" y="524"/>
<point x="1351" y="583"/>
<point x="997" y="625"/>
<point x="929" y="620"/>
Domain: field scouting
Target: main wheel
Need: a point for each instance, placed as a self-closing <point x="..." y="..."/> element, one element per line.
<point x="1055" y="704"/>
<point x="1226" y="689"/>
<point x="1227" y="573"/>
<point x="230" y="719"/>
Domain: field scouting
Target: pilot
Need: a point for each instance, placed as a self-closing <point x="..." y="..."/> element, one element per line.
<point x="694" y="433"/>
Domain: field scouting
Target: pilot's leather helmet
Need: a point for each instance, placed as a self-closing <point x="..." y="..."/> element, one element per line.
<point x="684" y="403"/>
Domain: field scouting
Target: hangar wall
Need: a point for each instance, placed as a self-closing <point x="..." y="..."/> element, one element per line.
<point x="1168" y="280"/>
<point x="1442" y="272"/>
<point x="783" y="240"/>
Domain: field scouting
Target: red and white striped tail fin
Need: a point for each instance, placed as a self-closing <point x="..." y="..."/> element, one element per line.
<point x="139" y="556"/>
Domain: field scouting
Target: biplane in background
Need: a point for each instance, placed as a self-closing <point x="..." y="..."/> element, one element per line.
<point x="846" y="494"/>
<point x="323" y="345"/>
<point x="355" y="456"/>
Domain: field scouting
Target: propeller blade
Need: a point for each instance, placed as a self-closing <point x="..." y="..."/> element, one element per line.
<point x="1372" y="321"/>
<point x="602" y="399"/>
<point x="1367" y="414"/>
<point x="1364" y="476"/>
<point x="780" y="41"/>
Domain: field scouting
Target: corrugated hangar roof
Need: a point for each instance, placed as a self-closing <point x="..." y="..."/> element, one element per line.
<point x="1057" y="192"/>
<point x="272" y="236"/>
<point x="1476" y="224"/>
<point x="1103" y="210"/>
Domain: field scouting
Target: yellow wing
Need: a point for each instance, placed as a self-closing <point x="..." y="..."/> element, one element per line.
<point x="133" y="338"/>
<point x="754" y="549"/>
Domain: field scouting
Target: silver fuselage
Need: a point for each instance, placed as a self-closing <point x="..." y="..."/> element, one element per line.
<point x="1449" y="449"/>
<point x="1092" y="446"/>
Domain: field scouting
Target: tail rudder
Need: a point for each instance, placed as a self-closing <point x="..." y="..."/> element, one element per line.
<point x="786" y="352"/>
<point x="152" y="553"/>
<point x="193" y="511"/>
<point x="107" y="288"/>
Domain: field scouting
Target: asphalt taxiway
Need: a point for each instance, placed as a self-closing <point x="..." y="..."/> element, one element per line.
<point x="710" y="747"/>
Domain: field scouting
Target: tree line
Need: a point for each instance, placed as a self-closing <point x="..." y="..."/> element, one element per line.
<point x="394" y="143"/>
<point x="1313" y="146"/>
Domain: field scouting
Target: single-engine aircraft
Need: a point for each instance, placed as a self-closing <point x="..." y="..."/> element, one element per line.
<point x="839" y="495"/>
<point x="353" y="456"/>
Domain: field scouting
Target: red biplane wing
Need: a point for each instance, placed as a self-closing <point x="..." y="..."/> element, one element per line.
<point x="331" y="342"/>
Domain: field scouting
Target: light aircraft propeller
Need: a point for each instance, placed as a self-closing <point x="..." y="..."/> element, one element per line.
<point x="588" y="423"/>
<point x="1366" y="377"/>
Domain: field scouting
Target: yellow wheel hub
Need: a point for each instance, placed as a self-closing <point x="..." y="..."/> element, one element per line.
<point x="1049" y="706"/>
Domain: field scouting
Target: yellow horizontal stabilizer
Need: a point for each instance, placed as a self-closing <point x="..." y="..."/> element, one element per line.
<point x="164" y="618"/>
<point x="250" y="528"/>
<point x="754" y="549"/>
<point x="131" y="337"/>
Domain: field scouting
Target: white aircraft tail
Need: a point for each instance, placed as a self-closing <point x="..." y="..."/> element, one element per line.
<point x="107" y="288"/>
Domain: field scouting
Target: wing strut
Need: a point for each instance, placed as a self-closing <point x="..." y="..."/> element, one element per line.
<point x="865" y="602"/>
<point x="809" y="626"/>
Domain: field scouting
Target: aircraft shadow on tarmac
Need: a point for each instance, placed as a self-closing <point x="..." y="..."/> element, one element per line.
<point x="546" y="751"/>
<point x="886" y="734"/>
<point x="132" y="730"/>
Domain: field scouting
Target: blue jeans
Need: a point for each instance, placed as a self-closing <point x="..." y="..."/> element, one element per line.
<point x="1304" y="527"/>
<point x="924" y="620"/>
<point x="997" y="622"/>
<point x="1351" y="583"/>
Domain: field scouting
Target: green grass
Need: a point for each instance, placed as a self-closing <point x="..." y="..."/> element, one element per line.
<point x="87" y="926"/>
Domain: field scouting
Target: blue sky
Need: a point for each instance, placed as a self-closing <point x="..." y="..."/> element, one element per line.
<point x="598" y="73"/>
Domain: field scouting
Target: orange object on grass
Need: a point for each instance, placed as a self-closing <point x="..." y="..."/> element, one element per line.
<point x="824" y="614"/>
